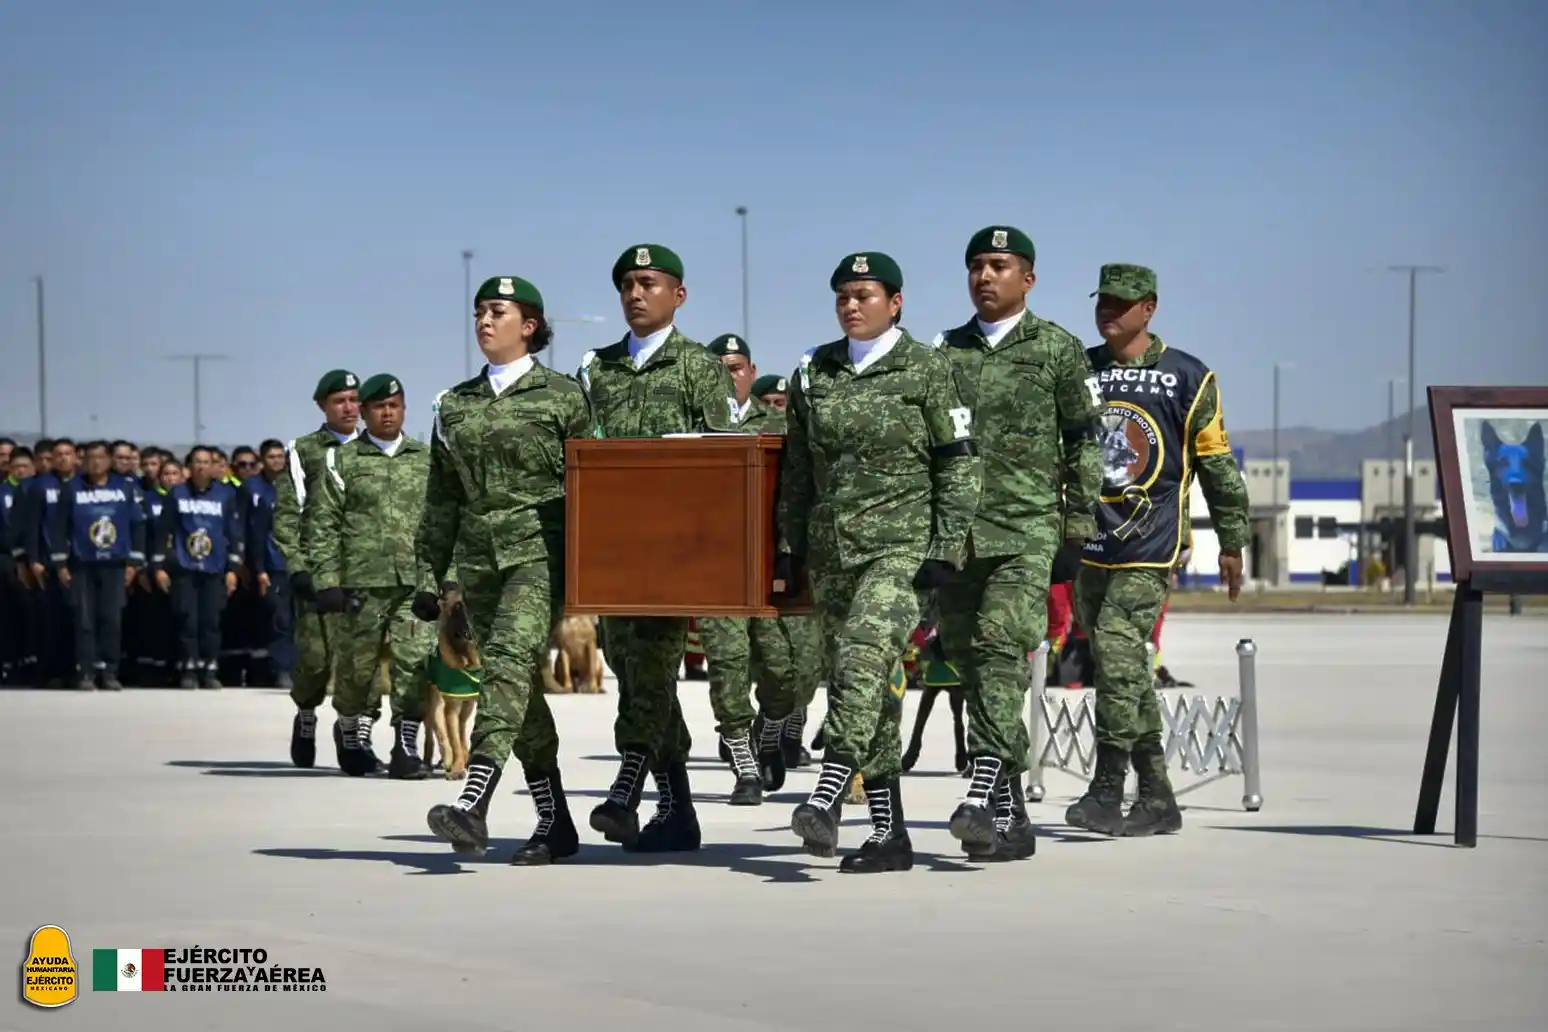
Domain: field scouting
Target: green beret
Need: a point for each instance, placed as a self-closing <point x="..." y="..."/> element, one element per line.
<point x="509" y="288"/>
<point x="769" y="384"/>
<point x="867" y="265"/>
<point x="646" y="256"/>
<point x="1001" y="240"/>
<point x="380" y="387"/>
<point x="1129" y="282"/>
<point x="730" y="344"/>
<point x="333" y="381"/>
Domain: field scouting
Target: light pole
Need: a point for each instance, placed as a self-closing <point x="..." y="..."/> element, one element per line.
<point x="1392" y="383"/>
<point x="197" y="360"/>
<point x="1274" y="478"/>
<point x="741" y="212"/>
<point x="467" y="318"/>
<point x="552" y="363"/>
<point x="1410" y="536"/>
<point x="42" y="364"/>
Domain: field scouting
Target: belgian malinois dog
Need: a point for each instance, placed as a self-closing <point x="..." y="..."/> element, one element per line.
<point x="450" y="716"/>
<point x="577" y="662"/>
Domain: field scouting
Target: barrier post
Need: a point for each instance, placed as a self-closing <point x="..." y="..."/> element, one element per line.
<point x="1247" y="675"/>
<point x="1037" y="731"/>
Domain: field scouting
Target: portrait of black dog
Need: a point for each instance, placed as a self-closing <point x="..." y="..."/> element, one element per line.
<point x="1516" y="490"/>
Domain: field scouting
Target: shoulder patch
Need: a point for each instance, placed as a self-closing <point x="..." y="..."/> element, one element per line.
<point x="584" y="372"/>
<point x="940" y="338"/>
<point x="805" y="364"/>
<point x="435" y="414"/>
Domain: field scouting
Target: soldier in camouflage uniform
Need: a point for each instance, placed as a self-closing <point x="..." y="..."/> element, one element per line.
<point x="778" y="653"/>
<point x="772" y="390"/>
<point x="496" y="503"/>
<point x="1161" y="427"/>
<point x="337" y="395"/>
<point x="878" y="489"/>
<point x="1035" y="406"/>
<point x="654" y="381"/>
<point x="359" y="537"/>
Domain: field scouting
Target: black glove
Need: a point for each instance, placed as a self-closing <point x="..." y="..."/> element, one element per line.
<point x="330" y="600"/>
<point x="934" y="573"/>
<point x="427" y="606"/>
<point x="791" y="570"/>
<point x="301" y="587"/>
<point x="1066" y="563"/>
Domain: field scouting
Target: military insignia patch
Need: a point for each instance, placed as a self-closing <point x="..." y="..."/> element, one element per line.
<point x="393" y="388"/>
<point x="642" y="256"/>
<point x="349" y="380"/>
<point x="999" y="239"/>
<point x="897" y="684"/>
<point x="779" y="385"/>
<point x="506" y="286"/>
<point x="861" y="264"/>
<point x="732" y="345"/>
<point x="103" y="533"/>
<point x="199" y="544"/>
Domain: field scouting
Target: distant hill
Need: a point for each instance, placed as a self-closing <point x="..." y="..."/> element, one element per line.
<point x="1330" y="454"/>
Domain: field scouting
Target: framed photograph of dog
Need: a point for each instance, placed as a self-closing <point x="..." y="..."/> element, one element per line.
<point x="1489" y="448"/>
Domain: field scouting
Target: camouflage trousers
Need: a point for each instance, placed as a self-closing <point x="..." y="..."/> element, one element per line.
<point x="316" y="634"/>
<point x="644" y="654"/>
<point x="778" y="654"/>
<point x="1118" y="610"/>
<point x="383" y="627"/>
<point x="991" y="617"/>
<point x="513" y="613"/>
<point x="865" y="616"/>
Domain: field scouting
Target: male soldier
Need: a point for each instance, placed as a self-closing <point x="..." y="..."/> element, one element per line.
<point x="783" y="650"/>
<point x="337" y="395"/>
<point x="275" y="645"/>
<point x="654" y="381"/>
<point x="32" y="538"/>
<point x="1030" y="387"/>
<point x="359" y="539"/>
<point x="771" y="389"/>
<point x="1161" y="427"/>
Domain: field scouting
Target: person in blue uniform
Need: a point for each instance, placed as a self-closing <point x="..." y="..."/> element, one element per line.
<point x="274" y="648"/>
<point x="15" y="617"/>
<point x="52" y="619"/>
<point x="198" y="550"/>
<point x="97" y="546"/>
<point x="155" y="645"/>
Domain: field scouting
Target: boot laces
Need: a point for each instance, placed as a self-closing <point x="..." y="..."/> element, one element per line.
<point x="408" y="735"/>
<point x="879" y="802"/>
<point x="665" y="802"/>
<point x="306" y="724"/>
<point x="795" y="724"/>
<point x="742" y="759"/>
<point x="831" y="784"/>
<point x="630" y="772"/>
<point x="986" y="773"/>
<point x="769" y="735"/>
<point x="542" y="791"/>
<point x="1004" y="805"/>
<point x="363" y="733"/>
<point x="476" y="787"/>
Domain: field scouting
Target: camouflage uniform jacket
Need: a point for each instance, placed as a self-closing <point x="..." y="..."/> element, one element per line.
<point x="496" y="491"/>
<point x="360" y="523"/>
<point x="761" y="418"/>
<point x="877" y="462"/>
<point x="1036" y="410"/>
<point x="291" y="492"/>
<point x="681" y="389"/>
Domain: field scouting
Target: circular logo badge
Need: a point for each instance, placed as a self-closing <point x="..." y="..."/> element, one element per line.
<point x="1131" y="448"/>
<point x="103" y="532"/>
<point x="199" y="544"/>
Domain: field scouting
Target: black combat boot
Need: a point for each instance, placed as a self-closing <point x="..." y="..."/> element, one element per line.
<point x="674" y="827"/>
<point x="188" y="681"/>
<point x="352" y="742"/>
<point x="1101" y="808"/>
<point x="555" y="837"/>
<point x="465" y="823"/>
<point x="405" y="764"/>
<point x="796" y="755"/>
<point x="1014" y="836"/>
<point x="207" y="678"/>
<point x="1155" y="810"/>
<point x="888" y="848"/>
<point x="771" y="753"/>
<point x="303" y="738"/>
<point x="972" y="823"/>
<point x="110" y="681"/>
<point x="748" y="790"/>
<point x="816" y="821"/>
<point x="617" y="816"/>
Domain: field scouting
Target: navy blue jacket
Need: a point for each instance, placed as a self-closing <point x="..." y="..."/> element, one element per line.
<point x="199" y="531"/>
<point x="103" y="524"/>
<point x="258" y="496"/>
<point x="33" y="514"/>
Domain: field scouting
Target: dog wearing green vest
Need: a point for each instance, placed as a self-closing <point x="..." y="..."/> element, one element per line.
<point x="455" y="686"/>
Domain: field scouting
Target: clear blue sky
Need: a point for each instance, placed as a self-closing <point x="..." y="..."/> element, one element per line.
<point x="292" y="183"/>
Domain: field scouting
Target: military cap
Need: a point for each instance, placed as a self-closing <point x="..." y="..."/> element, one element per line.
<point x="769" y="384"/>
<point x="380" y="387"/>
<point x="646" y="256"/>
<point x="1001" y="240"/>
<point x="730" y="344"/>
<point x="1129" y="282"/>
<point x="867" y="265"/>
<point x="333" y="381"/>
<point x="509" y="288"/>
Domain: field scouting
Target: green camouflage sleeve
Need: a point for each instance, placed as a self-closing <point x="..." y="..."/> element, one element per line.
<point x="322" y="531"/>
<point x="439" y="524"/>
<point x="1080" y="405"/>
<point x="796" y="486"/>
<point x="1225" y="492"/>
<point x="287" y="514"/>
<point x="957" y="471"/>
<point x="713" y="392"/>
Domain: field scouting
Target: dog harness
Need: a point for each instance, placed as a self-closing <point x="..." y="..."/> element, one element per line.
<point x="454" y="683"/>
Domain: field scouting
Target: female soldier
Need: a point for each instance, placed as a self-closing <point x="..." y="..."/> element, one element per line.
<point x="880" y="484"/>
<point x="496" y="499"/>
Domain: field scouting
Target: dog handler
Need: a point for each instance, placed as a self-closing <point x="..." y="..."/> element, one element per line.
<point x="360" y="540"/>
<point x="880" y="481"/>
<point x="496" y="500"/>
